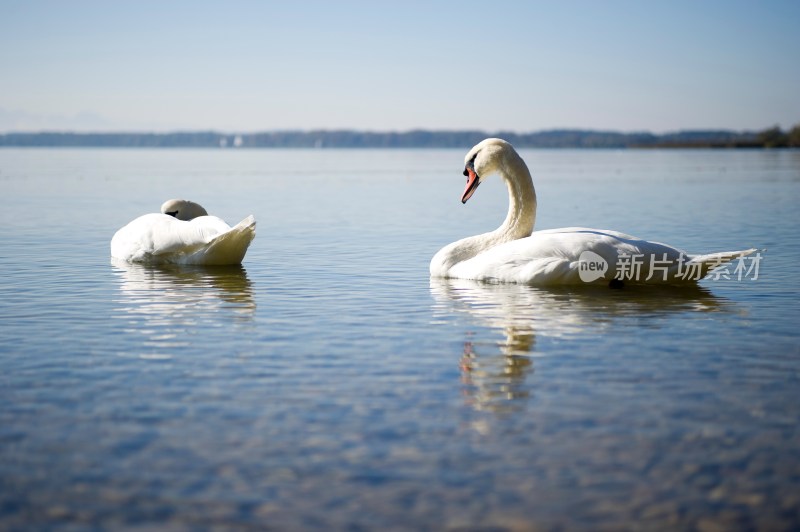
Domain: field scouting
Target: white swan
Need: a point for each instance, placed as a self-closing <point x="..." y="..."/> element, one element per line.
<point x="574" y="255"/>
<point x="183" y="233"/>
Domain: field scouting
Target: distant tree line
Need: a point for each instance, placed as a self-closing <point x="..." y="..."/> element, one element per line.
<point x="776" y="138"/>
<point x="561" y="138"/>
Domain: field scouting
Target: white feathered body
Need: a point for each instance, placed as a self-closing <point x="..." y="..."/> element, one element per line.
<point x="164" y="239"/>
<point x="556" y="256"/>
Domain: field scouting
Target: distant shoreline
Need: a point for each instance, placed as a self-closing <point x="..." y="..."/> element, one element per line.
<point x="557" y="138"/>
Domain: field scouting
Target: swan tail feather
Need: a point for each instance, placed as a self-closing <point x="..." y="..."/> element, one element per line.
<point x="230" y="247"/>
<point x="702" y="265"/>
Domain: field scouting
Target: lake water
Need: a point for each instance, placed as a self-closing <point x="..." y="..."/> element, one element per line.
<point x="328" y="383"/>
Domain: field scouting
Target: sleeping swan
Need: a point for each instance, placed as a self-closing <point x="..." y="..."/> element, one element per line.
<point x="574" y="255"/>
<point x="183" y="233"/>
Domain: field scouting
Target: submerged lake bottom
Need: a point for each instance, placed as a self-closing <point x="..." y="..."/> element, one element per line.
<point x="329" y="383"/>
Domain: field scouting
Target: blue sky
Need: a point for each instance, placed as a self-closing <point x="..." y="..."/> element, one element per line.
<point x="240" y="66"/>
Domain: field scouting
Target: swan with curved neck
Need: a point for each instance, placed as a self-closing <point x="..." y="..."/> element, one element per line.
<point x="183" y="233"/>
<point x="515" y="253"/>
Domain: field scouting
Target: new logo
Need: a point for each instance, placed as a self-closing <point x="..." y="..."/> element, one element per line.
<point x="591" y="266"/>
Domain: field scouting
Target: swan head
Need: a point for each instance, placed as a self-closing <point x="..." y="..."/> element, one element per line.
<point x="183" y="209"/>
<point x="483" y="159"/>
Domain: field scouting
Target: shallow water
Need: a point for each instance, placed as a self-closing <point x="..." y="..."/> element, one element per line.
<point x="328" y="383"/>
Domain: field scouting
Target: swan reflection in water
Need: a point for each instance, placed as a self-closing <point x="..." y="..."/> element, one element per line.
<point x="495" y="373"/>
<point x="165" y="302"/>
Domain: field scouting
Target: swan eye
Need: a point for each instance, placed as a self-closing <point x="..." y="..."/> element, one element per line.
<point x="172" y="213"/>
<point x="470" y="165"/>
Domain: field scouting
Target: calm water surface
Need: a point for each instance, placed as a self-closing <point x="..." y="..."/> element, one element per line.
<point x="328" y="383"/>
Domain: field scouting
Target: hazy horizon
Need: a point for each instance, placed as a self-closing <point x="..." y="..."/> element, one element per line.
<point x="246" y="67"/>
<point x="379" y="131"/>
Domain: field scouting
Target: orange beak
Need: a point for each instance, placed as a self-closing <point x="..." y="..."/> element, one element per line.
<point x="472" y="184"/>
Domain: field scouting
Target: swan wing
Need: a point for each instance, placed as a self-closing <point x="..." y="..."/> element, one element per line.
<point x="226" y="247"/>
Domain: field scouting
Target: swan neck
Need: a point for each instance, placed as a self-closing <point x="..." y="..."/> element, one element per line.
<point x="521" y="215"/>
